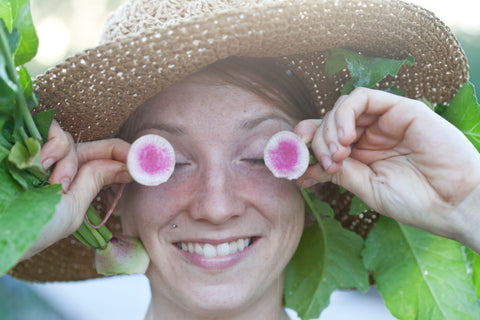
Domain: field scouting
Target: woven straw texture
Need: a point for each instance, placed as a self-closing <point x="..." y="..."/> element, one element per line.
<point x="149" y="44"/>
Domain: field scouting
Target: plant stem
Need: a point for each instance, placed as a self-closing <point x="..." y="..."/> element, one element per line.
<point x="21" y="102"/>
<point x="317" y="215"/>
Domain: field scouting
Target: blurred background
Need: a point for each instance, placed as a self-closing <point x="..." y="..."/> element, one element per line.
<point x="67" y="26"/>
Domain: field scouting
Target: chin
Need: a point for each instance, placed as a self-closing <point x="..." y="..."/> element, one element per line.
<point x="221" y="300"/>
<point x="216" y="297"/>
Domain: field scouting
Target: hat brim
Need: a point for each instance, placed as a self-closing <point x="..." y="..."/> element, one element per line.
<point x="96" y="90"/>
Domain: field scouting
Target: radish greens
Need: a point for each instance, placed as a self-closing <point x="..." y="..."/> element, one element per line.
<point x="419" y="275"/>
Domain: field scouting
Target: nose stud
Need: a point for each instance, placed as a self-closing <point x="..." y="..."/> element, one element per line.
<point x="174" y="226"/>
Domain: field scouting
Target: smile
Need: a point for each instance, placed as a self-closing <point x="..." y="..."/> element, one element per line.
<point x="210" y="251"/>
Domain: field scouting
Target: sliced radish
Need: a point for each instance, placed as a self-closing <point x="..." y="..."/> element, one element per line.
<point x="151" y="160"/>
<point x="286" y="155"/>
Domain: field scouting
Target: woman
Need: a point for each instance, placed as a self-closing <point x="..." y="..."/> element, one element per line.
<point x="166" y="75"/>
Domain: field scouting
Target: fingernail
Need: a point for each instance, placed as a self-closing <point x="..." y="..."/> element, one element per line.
<point x="332" y="147"/>
<point x="326" y="162"/>
<point x="65" y="183"/>
<point x="304" y="138"/>
<point x="340" y="133"/>
<point x="47" y="163"/>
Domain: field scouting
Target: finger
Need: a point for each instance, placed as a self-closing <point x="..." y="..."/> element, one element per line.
<point x="58" y="145"/>
<point x="325" y="149"/>
<point x="306" y="129"/>
<point x="66" y="168"/>
<point x="91" y="179"/>
<point x="337" y="151"/>
<point x="362" y="105"/>
<point x="115" y="149"/>
<point x="314" y="174"/>
<point x="359" y="179"/>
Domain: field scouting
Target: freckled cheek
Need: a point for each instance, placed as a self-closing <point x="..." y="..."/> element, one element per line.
<point x="146" y="208"/>
<point x="275" y="197"/>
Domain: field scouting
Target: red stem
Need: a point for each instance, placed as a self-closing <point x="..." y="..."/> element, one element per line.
<point x="112" y="208"/>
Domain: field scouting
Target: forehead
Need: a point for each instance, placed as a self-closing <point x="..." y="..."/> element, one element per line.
<point x="203" y="100"/>
<point x="204" y="95"/>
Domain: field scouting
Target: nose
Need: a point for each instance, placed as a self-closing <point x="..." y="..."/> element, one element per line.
<point x="217" y="200"/>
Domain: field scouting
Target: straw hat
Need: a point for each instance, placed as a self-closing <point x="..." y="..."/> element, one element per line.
<point x="149" y="44"/>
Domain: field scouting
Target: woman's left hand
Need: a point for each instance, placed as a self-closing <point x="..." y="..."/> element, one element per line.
<point x="401" y="159"/>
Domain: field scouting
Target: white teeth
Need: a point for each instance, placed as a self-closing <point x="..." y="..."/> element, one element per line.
<point x="233" y="246"/>
<point x="241" y="244"/>
<point x="198" y="249"/>
<point x="209" y="251"/>
<point x="223" y="249"/>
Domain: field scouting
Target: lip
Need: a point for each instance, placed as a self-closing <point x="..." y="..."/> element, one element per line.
<point x="218" y="263"/>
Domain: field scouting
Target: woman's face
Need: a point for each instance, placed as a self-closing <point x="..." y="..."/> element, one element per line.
<point x="220" y="198"/>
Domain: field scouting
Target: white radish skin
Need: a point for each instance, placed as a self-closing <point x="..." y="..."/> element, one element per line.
<point x="151" y="160"/>
<point x="123" y="255"/>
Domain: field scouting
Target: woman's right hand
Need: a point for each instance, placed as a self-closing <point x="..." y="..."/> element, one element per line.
<point x="83" y="169"/>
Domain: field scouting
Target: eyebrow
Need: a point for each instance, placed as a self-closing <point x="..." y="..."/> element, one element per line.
<point x="249" y="124"/>
<point x="167" y="127"/>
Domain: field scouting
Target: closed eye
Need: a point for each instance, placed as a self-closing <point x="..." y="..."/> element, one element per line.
<point x="180" y="165"/>
<point x="255" y="161"/>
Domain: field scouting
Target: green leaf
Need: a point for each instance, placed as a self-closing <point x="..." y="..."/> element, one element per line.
<point x="464" y="113"/>
<point x="319" y="267"/>
<point x="13" y="40"/>
<point x="43" y="120"/>
<point x="364" y="71"/>
<point x="3" y="141"/>
<point x="24" y="178"/>
<point x="8" y="188"/>
<point x="317" y="207"/>
<point x="357" y="206"/>
<point x="394" y="90"/>
<point x="27" y="86"/>
<point x="4" y="152"/>
<point x="335" y="61"/>
<point x="27" y="157"/>
<point x="22" y="114"/>
<point x="419" y="275"/>
<point x="473" y="267"/>
<point x="7" y="86"/>
<point x="16" y="14"/>
<point x="22" y="219"/>
<point x="6" y="14"/>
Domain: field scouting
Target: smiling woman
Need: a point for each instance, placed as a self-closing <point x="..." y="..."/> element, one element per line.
<point x="227" y="239"/>
<point x="218" y="198"/>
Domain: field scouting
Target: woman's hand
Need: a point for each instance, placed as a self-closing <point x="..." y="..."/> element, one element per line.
<point x="83" y="170"/>
<point x="402" y="159"/>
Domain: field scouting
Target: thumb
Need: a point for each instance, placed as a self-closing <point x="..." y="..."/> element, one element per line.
<point x="70" y="212"/>
<point x="353" y="175"/>
<point x="356" y="177"/>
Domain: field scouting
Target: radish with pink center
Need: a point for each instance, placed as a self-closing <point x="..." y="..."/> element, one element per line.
<point x="286" y="155"/>
<point x="151" y="160"/>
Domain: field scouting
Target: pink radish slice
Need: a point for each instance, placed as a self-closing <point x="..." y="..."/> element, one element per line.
<point x="151" y="160"/>
<point x="286" y="155"/>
